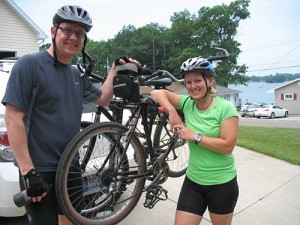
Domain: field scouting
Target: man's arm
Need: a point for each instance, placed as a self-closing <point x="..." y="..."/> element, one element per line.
<point x="17" y="137"/>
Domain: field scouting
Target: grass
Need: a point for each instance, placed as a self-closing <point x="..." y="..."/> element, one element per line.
<point x="280" y="143"/>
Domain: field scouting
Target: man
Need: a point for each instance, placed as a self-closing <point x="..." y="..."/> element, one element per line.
<point x="44" y="99"/>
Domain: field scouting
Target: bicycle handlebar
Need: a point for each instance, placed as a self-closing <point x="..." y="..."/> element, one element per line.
<point x="160" y="73"/>
<point x="219" y="57"/>
<point x="146" y="73"/>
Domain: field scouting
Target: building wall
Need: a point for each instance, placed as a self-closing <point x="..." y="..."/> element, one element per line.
<point x="292" y="104"/>
<point x="16" y="35"/>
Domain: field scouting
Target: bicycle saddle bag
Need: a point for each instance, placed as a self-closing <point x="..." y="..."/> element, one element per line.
<point x="124" y="84"/>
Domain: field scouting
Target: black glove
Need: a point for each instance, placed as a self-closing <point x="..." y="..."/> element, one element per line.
<point x="123" y="69"/>
<point x="125" y="58"/>
<point x="34" y="184"/>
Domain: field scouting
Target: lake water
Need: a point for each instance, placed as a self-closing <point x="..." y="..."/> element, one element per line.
<point x="256" y="92"/>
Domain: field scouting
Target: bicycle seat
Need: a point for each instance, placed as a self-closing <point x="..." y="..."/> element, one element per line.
<point x="159" y="83"/>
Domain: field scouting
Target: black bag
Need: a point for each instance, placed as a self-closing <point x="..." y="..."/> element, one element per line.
<point x="124" y="83"/>
<point x="125" y="87"/>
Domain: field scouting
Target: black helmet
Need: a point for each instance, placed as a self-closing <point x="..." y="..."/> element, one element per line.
<point x="73" y="14"/>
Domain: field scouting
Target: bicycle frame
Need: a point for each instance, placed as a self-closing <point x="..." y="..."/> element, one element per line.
<point x="140" y="112"/>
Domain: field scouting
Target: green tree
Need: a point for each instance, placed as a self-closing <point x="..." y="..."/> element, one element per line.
<point x="190" y="35"/>
<point x="211" y="28"/>
<point x="44" y="46"/>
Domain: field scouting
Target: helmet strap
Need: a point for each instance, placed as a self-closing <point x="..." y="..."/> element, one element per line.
<point x="83" y="50"/>
<point x="54" y="47"/>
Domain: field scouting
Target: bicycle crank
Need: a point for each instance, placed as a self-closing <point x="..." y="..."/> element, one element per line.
<point x="160" y="171"/>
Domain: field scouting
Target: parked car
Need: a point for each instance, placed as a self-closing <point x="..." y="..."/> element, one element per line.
<point x="7" y="64"/>
<point x="245" y="106"/>
<point x="9" y="175"/>
<point x="243" y="112"/>
<point x="271" y="111"/>
<point x="250" y="110"/>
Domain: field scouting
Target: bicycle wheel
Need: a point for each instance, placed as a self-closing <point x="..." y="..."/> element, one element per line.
<point x="179" y="156"/>
<point x="98" y="181"/>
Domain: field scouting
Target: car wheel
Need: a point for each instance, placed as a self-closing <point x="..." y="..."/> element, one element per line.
<point x="286" y="114"/>
<point x="272" y="116"/>
<point x="258" y="117"/>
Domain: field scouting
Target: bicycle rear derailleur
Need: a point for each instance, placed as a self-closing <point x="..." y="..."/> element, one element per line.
<point x="154" y="194"/>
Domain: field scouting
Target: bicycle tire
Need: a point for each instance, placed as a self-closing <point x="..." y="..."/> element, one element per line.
<point x="113" y="196"/>
<point x="179" y="156"/>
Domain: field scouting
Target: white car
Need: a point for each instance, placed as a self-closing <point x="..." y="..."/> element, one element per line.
<point x="9" y="175"/>
<point x="271" y="111"/>
<point x="7" y="64"/>
<point x="250" y="110"/>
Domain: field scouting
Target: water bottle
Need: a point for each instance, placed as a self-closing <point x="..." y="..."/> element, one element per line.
<point x="21" y="199"/>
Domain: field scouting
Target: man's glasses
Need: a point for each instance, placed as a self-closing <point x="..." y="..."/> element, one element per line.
<point x="68" y="31"/>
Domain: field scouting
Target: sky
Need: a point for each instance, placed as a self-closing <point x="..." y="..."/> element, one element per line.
<point x="270" y="38"/>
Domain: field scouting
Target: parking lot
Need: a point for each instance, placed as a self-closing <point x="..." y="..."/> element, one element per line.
<point x="287" y="122"/>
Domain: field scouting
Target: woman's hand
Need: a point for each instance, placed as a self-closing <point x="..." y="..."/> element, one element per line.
<point x="184" y="133"/>
<point x="174" y="119"/>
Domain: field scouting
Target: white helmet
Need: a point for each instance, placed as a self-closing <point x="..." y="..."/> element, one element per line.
<point x="198" y="64"/>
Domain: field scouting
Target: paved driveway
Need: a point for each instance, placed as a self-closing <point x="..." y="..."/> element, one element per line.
<point x="289" y="122"/>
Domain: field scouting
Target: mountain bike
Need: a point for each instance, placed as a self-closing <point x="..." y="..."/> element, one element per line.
<point x="115" y="167"/>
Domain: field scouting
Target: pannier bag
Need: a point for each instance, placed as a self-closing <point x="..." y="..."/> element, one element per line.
<point x="124" y="84"/>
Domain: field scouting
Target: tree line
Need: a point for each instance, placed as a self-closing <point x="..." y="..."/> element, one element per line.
<point x="190" y="35"/>
<point x="277" y="78"/>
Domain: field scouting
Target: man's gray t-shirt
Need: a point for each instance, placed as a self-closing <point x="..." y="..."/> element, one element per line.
<point x="57" y="107"/>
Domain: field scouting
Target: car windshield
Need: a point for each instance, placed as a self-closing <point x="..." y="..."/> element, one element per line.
<point x="254" y="106"/>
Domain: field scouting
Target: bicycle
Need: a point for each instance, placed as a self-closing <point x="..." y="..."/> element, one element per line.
<point x="115" y="166"/>
<point x="162" y="135"/>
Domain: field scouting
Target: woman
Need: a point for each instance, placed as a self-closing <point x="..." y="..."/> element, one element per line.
<point x="211" y="129"/>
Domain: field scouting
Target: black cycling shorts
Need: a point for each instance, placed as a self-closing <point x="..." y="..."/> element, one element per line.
<point x="46" y="212"/>
<point x="219" y="199"/>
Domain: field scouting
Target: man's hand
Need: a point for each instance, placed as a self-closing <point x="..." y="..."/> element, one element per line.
<point x="36" y="187"/>
<point x="125" y="59"/>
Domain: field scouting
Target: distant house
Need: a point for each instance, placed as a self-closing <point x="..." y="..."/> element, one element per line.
<point x="288" y="96"/>
<point x="230" y="95"/>
<point x="19" y="34"/>
<point x="226" y="93"/>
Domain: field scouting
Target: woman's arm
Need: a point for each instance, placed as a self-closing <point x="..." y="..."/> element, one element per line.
<point x="224" y="144"/>
<point x="170" y="101"/>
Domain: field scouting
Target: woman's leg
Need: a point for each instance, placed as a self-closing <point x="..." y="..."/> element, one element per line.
<point x="63" y="220"/>
<point x="184" y="218"/>
<point x="218" y="219"/>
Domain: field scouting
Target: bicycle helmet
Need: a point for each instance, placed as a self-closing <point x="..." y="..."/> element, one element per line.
<point x="73" y="14"/>
<point x="198" y="64"/>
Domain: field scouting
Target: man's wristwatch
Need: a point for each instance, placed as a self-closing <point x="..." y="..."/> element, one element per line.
<point x="197" y="138"/>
